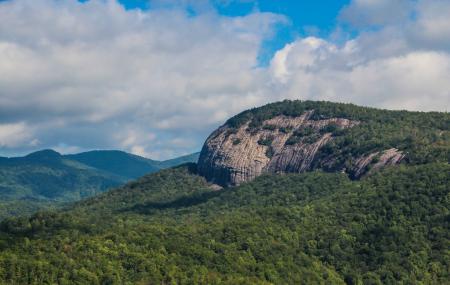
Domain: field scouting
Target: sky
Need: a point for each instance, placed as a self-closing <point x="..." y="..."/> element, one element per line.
<point x="156" y="77"/>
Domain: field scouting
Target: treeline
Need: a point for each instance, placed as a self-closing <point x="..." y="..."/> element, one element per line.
<point x="312" y="228"/>
<point x="422" y="137"/>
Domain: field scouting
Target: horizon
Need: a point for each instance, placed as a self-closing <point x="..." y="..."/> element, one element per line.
<point x="94" y="150"/>
<point x="154" y="78"/>
<point x="181" y="155"/>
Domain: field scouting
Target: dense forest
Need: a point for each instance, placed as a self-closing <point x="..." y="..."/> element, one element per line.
<point x="171" y="227"/>
<point x="423" y="136"/>
<point x="46" y="179"/>
<point x="323" y="226"/>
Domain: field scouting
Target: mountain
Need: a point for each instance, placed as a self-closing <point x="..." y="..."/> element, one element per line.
<point x="299" y="136"/>
<point x="171" y="227"/>
<point x="46" y="178"/>
<point x="120" y="163"/>
<point x="126" y="165"/>
<point x="179" y="160"/>
<point x="323" y="224"/>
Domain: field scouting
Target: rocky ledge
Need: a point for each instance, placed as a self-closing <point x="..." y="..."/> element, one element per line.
<point x="282" y="144"/>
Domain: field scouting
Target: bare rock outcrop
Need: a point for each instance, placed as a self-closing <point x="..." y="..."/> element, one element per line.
<point x="376" y="160"/>
<point x="231" y="156"/>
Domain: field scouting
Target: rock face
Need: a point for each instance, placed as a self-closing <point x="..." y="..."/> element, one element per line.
<point x="231" y="156"/>
<point x="378" y="159"/>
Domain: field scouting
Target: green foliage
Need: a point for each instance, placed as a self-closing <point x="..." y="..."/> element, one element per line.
<point x="116" y="162"/>
<point x="330" y="128"/>
<point x="270" y="152"/>
<point x="236" y="141"/>
<point x="171" y="227"/>
<point x="422" y="137"/>
<point x="293" y="140"/>
<point x="305" y="134"/>
<point x="285" y="130"/>
<point x="270" y="127"/>
<point x="312" y="228"/>
<point x="267" y="141"/>
<point x="126" y="165"/>
<point x="46" y="179"/>
<point x="305" y="131"/>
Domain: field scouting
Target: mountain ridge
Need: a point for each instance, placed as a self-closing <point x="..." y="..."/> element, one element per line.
<point x="46" y="178"/>
<point x="299" y="136"/>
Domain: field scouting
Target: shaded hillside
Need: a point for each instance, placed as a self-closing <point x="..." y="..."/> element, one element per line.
<point x="120" y="163"/>
<point x="179" y="160"/>
<point x="44" y="178"/>
<point x="310" y="228"/>
<point x="127" y="165"/>
<point x="299" y="136"/>
<point x="48" y="175"/>
<point x="47" y="179"/>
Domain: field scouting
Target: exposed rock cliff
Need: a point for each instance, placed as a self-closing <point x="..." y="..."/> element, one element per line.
<point x="376" y="160"/>
<point x="232" y="155"/>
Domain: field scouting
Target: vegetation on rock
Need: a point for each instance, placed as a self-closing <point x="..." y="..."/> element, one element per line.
<point x="306" y="136"/>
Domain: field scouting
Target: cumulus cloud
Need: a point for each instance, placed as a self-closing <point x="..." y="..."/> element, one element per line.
<point x="363" y="13"/>
<point x="318" y="70"/>
<point x="71" y="66"/>
<point x="12" y="135"/>
<point x="431" y="27"/>
<point x="77" y="76"/>
<point x="399" y="65"/>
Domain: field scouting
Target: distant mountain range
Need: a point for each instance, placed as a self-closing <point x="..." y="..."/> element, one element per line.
<point x="126" y="165"/>
<point x="46" y="178"/>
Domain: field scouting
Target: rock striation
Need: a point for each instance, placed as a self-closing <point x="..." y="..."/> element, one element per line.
<point x="282" y="144"/>
<point x="376" y="160"/>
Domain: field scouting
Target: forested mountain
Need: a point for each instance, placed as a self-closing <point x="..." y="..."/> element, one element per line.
<point x="172" y="228"/>
<point x="126" y="165"/>
<point x="178" y="161"/>
<point x="322" y="224"/>
<point x="47" y="179"/>
<point x="299" y="136"/>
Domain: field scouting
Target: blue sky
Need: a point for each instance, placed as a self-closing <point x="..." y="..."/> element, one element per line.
<point x="157" y="77"/>
<point x="305" y="17"/>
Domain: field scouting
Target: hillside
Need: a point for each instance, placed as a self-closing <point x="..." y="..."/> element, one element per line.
<point x="311" y="228"/>
<point x="179" y="160"/>
<point x="299" y="136"/>
<point x="337" y="212"/>
<point x="128" y="165"/>
<point x="47" y="179"/>
<point x="120" y="163"/>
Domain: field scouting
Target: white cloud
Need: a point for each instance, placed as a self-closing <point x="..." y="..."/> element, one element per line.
<point x="363" y="13"/>
<point x="15" y="134"/>
<point x="417" y="80"/>
<point x="402" y="64"/>
<point x="156" y="82"/>
<point x="97" y="63"/>
<point x="62" y="148"/>
<point x="431" y="28"/>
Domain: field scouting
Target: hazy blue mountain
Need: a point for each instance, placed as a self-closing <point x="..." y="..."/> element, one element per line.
<point x="46" y="178"/>
<point x="128" y="165"/>
<point x="179" y="160"/>
<point x="117" y="162"/>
